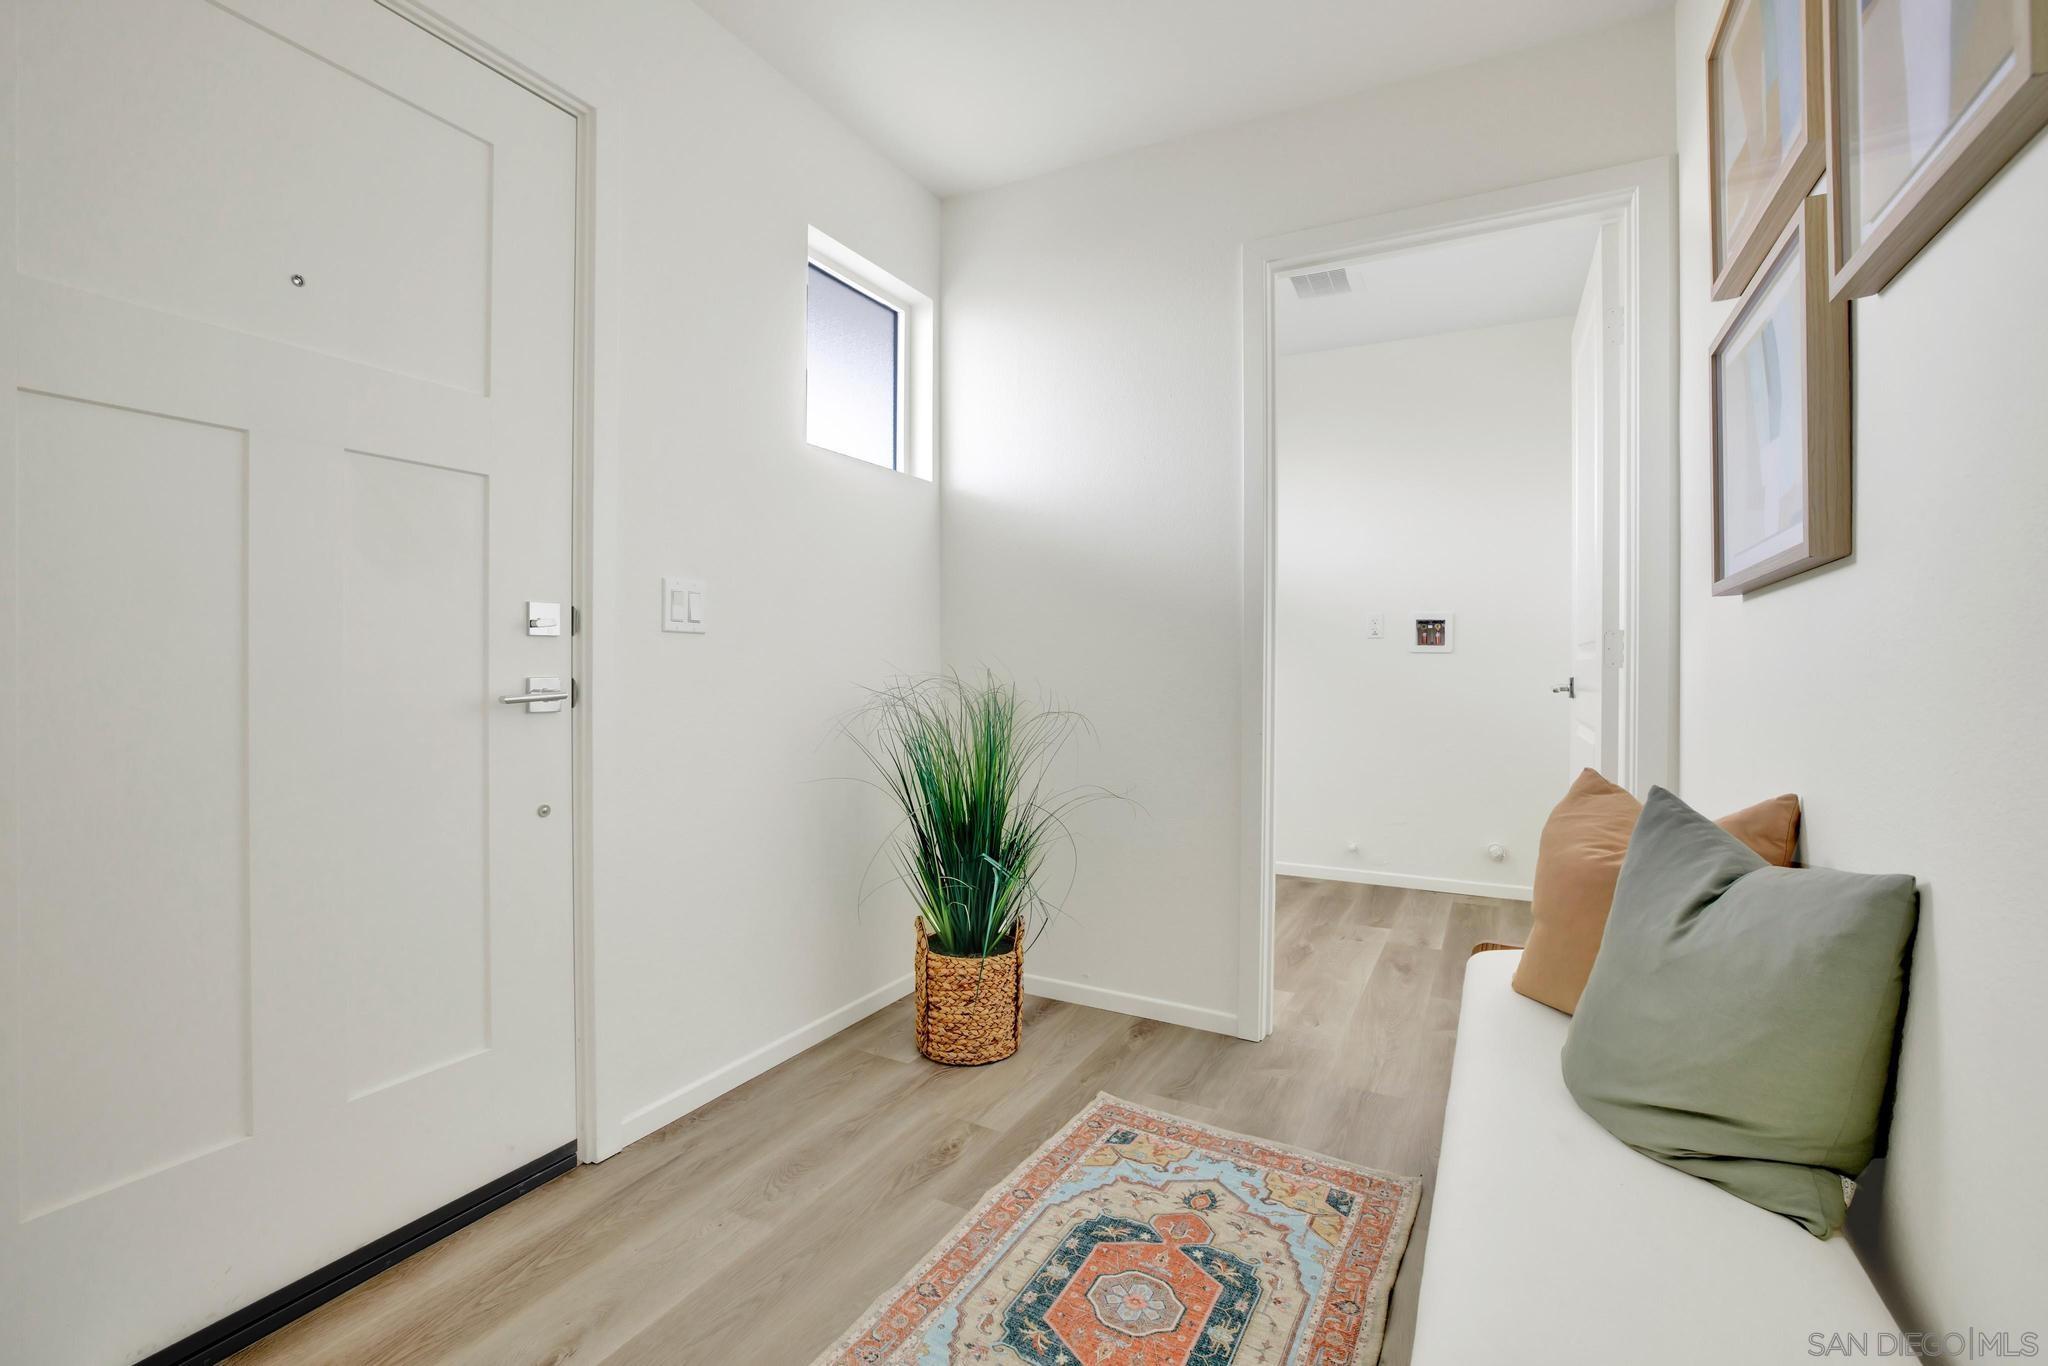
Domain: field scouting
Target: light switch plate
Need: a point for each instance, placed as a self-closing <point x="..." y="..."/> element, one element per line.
<point x="682" y="605"/>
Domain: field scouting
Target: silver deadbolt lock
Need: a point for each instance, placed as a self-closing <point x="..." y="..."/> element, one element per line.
<point x="543" y="618"/>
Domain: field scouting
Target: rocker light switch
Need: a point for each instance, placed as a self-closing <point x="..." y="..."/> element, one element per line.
<point x="682" y="605"/>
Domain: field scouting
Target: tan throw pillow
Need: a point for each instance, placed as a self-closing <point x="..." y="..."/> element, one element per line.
<point x="1771" y="828"/>
<point x="1578" y="860"/>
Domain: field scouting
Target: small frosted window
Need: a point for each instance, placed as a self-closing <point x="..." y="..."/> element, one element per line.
<point x="850" y="398"/>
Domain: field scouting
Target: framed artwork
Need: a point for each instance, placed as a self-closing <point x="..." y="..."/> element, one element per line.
<point x="1929" y="99"/>
<point x="1765" y="116"/>
<point x="1781" y="418"/>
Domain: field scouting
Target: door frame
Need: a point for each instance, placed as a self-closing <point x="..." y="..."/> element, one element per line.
<point x="1596" y="357"/>
<point x="584" y="94"/>
<point x="1643" y="196"/>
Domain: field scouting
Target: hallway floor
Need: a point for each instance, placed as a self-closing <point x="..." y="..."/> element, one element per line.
<point x="752" y="1232"/>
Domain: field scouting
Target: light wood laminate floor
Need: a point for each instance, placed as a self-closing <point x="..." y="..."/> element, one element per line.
<point x="753" y="1231"/>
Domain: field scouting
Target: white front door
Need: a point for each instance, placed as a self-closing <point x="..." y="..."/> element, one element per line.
<point x="1594" y="664"/>
<point x="287" y="316"/>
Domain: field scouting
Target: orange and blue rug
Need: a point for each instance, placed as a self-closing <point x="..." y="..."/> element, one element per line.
<point x="1133" y="1238"/>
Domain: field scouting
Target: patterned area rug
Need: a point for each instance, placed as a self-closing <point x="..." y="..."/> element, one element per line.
<point x="1137" y="1239"/>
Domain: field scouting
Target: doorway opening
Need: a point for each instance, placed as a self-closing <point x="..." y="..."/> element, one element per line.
<point x="1460" y="519"/>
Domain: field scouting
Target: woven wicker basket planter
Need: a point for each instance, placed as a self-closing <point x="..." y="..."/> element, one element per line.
<point x="969" y="1010"/>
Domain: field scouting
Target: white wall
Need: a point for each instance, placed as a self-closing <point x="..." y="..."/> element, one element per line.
<point x="1901" y="694"/>
<point x="1091" y="435"/>
<point x="724" y="873"/>
<point x="1431" y="474"/>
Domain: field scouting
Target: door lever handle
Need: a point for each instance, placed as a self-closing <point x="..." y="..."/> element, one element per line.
<point x="541" y="695"/>
<point x="1570" y="688"/>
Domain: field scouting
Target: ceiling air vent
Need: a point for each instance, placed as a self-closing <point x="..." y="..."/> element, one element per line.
<point x="1321" y="284"/>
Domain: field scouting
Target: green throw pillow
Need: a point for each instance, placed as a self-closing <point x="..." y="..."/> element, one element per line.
<point x="1738" y="1024"/>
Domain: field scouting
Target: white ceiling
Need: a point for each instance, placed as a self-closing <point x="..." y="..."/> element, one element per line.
<point x="964" y="94"/>
<point x="1514" y="275"/>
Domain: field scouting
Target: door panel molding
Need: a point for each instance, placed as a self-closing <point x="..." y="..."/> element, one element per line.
<point x="581" y="87"/>
<point x="169" y="243"/>
<point x="130" y="535"/>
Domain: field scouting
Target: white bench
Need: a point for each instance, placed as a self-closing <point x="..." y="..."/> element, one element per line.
<point x="1552" y="1242"/>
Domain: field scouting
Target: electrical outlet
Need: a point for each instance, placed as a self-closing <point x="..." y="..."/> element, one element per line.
<point x="1376" y="626"/>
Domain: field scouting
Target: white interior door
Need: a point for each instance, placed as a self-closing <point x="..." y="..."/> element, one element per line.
<point x="1593" y="688"/>
<point x="284" y="453"/>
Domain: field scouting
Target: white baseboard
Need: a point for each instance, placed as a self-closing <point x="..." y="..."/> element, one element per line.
<point x="1126" y="1003"/>
<point x="679" y="1102"/>
<point x="1507" y="891"/>
<point x="671" y="1107"/>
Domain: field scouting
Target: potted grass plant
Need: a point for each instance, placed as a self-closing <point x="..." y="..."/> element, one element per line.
<point x="967" y="766"/>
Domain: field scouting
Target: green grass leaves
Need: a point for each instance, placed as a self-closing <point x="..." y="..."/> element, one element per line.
<point x="967" y="765"/>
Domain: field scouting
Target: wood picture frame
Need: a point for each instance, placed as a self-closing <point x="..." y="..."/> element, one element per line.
<point x="1985" y="77"/>
<point x="1781" y="411"/>
<point x="1748" y="52"/>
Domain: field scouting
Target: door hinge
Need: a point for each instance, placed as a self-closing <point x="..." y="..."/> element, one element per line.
<point x="575" y="692"/>
<point x="1613" y="651"/>
<point x="575" y="621"/>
